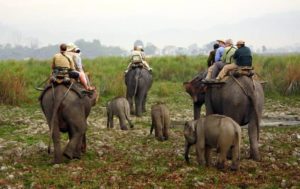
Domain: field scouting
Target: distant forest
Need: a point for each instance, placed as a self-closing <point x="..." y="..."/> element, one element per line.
<point x="89" y="50"/>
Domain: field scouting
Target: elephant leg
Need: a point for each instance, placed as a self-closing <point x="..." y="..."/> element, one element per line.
<point x="129" y="122"/>
<point x="77" y="151"/>
<point x="144" y="103"/>
<point x="138" y="105"/>
<point x="235" y="158"/>
<point x="78" y="130"/>
<point x="186" y="152"/>
<point x="158" y="128"/>
<point x="108" y="120"/>
<point x="253" y="138"/>
<point x="56" y="143"/>
<point x="207" y="156"/>
<point x="200" y="153"/>
<point x="83" y="146"/>
<point x="197" y="111"/>
<point x="166" y="129"/>
<point x="111" y="121"/>
<point x="222" y="158"/>
<point x="122" y="118"/>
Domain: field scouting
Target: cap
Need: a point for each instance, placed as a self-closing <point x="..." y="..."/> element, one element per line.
<point x="229" y="42"/>
<point x="71" y="47"/>
<point x="240" y="42"/>
<point x="221" y="40"/>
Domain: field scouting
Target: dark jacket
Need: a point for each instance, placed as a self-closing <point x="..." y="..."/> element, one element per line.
<point x="211" y="58"/>
<point x="243" y="56"/>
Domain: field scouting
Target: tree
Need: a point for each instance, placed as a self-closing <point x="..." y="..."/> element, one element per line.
<point x="151" y="49"/>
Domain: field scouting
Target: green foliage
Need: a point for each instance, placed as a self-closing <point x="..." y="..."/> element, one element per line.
<point x="282" y="74"/>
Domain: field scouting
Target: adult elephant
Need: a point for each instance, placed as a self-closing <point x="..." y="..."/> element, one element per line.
<point x="66" y="111"/>
<point x="240" y="98"/>
<point x="138" y="81"/>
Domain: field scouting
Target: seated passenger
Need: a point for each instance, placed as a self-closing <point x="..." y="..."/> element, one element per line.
<point x="74" y="52"/>
<point x="138" y="57"/>
<point x="63" y="62"/>
<point x="242" y="57"/>
<point x="211" y="56"/>
<point x="218" y="64"/>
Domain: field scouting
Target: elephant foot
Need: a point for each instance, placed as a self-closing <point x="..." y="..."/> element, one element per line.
<point x="220" y="165"/>
<point x="234" y="167"/>
<point x="68" y="155"/>
<point x="255" y="156"/>
<point x="83" y="148"/>
<point x="160" y="139"/>
<point x="131" y="126"/>
<point x="77" y="156"/>
<point x="57" y="160"/>
<point x="124" y="128"/>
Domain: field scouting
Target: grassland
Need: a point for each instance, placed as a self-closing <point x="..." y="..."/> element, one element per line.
<point x="134" y="159"/>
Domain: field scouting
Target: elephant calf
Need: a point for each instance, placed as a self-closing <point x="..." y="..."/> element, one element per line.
<point x="214" y="131"/>
<point x="160" y="121"/>
<point x="119" y="107"/>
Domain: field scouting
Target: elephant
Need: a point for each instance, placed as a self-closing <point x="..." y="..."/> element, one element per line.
<point x="67" y="111"/>
<point x="213" y="131"/>
<point x="138" y="81"/>
<point x="118" y="106"/>
<point x="240" y="98"/>
<point x="160" y="116"/>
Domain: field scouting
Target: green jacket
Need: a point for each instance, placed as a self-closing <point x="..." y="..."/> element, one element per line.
<point x="227" y="55"/>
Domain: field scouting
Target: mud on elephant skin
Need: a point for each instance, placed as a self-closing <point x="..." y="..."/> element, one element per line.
<point x="240" y="98"/>
<point x="214" y="131"/>
<point x="138" y="82"/>
<point x="65" y="111"/>
<point x="119" y="107"/>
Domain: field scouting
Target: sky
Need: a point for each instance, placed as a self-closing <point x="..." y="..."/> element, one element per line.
<point x="121" y="22"/>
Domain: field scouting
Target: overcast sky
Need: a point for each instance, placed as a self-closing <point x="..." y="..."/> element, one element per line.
<point x="120" y="22"/>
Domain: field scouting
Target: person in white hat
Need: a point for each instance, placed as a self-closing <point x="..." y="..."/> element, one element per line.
<point x="242" y="57"/>
<point x="138" y="57"/>
<point x="226" y="58"/>
<point x="74" y="52"/>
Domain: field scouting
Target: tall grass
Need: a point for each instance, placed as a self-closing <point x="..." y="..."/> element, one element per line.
<point x="18" y="78"/>
<point x="12" y="84"/>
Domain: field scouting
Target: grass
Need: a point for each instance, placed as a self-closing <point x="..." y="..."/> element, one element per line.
<point x="107" y="73"/>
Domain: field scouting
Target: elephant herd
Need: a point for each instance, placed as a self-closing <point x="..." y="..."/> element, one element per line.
<point x="240" y="100"/>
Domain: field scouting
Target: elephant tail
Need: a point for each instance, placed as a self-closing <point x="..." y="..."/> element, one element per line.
<point x="52" y="121"/>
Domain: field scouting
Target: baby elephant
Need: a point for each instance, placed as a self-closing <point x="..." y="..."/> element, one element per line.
<point x="118" y="106"/>
<point x="160" y="121"/>
<point x="214" y="131"/>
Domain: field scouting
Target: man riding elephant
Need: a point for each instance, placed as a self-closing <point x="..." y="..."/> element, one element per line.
<point x="242" y="57"/>
<point x="65" y="107"/>
<point x="138" y="57"/>
<point x="226" y="59"/>
<point x="73" y="51"/>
